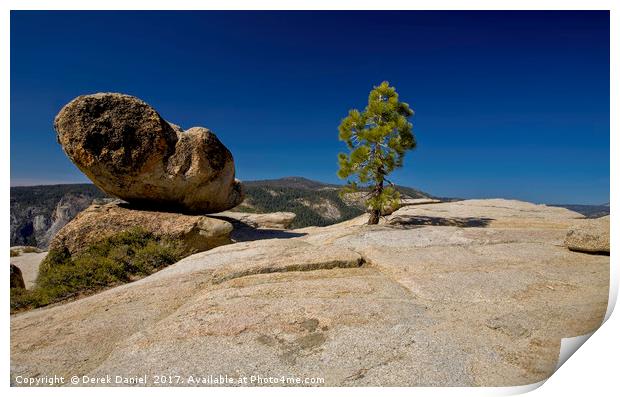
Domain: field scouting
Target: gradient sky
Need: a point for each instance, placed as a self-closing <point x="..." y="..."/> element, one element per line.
<point x="508" y="104"/>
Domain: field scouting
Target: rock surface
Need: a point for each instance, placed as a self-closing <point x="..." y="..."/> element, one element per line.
<point x="129" y="151"/>
<point x="17" y="281"/>
<point x="417" y="201"/>
<point x="195" y="233"/>
<point x="272" y="220"/>
<point x="406" y="202"/>
<point x="29" y="264"/>
<point x="66" y="209"/>
<point x="591" y="235"/>
<point x="470" y="293"/>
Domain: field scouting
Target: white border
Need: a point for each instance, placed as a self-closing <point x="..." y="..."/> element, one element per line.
<point x="598" y="359"/>
<point x="311" y="5"/>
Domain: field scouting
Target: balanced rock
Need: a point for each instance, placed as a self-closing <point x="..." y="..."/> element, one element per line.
<point x="194" y="233"/>
<point x="591" y="235"/>
<point x="129" y="151"/>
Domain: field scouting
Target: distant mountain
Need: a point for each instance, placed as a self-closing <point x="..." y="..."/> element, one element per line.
<point x="589" y="211"/>
<point x="296" y="182"/>
<point x="38" y="212"/>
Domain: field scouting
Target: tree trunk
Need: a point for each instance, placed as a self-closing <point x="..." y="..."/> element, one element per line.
<point x="375" y="214"/>
<point x="374" y="217"/>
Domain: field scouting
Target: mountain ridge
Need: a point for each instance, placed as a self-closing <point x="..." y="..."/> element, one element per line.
<point x="39" y="211"/>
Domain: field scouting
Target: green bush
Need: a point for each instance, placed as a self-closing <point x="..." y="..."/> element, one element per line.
<point x="116" y="260"/>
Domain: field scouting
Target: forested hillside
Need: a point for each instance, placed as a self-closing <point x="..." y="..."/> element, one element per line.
<point x="315" y="203"/>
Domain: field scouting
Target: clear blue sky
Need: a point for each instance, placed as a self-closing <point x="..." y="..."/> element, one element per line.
<point x="508" y="104"/>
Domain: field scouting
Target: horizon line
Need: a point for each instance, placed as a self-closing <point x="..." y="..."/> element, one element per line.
<point x="608" y="203"/>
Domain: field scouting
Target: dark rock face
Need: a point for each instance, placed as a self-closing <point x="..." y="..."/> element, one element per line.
<point x="129" y="151"/>
<point x="17" y="280"/>
<point x="113" y="133"/>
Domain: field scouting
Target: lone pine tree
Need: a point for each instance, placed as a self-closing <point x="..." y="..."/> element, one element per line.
<point x="377" y="138"/>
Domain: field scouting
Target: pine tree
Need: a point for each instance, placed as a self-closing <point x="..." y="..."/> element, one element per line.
<point x="377" y="138"/>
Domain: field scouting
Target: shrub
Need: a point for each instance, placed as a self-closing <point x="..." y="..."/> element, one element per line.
<point x="118" y="259"/>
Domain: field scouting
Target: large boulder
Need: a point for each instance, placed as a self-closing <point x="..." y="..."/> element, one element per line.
<point x="129" y="151"/>
<point x="194" y="233"/>
<point x="590" y="235"/>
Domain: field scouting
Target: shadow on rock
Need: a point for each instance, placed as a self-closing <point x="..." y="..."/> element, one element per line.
<point x="245" y="232"/>
<point x="416" y="220"/>
<point x="251" y="234"/>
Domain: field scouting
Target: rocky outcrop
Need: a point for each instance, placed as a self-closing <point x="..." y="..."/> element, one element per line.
<point x="406" y="202"/>
<point x="480" y="213"/>
<point x="66" y="209"/>
<point x="417" y="201"/>
<point x="590" y="235"/>
<point x="470" y="293"/>
<point x="272" y="220"/>
<point x="28" y="226"/>
<point x="129" y="151"/>
<point x="17" y="280"/>
<point x="194" y="233"/>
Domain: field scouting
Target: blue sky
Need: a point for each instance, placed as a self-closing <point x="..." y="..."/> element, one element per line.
<point x="508" y="104"/>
